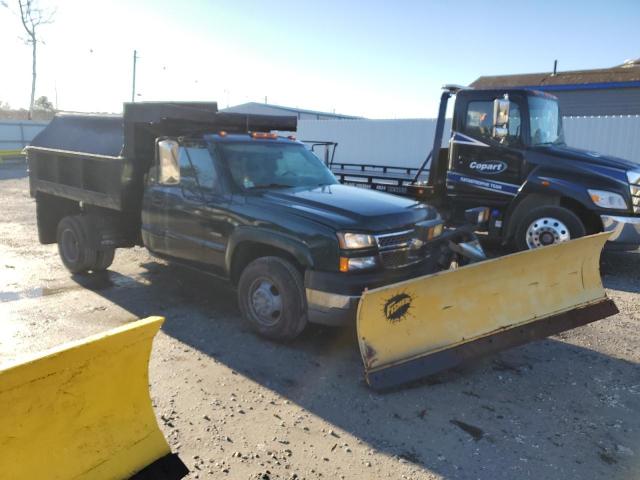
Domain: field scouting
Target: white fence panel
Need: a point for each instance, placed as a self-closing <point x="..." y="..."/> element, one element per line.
<point x="406" y="143"/>
<point x="16" y="134"/>
<point x="377" y="142"/>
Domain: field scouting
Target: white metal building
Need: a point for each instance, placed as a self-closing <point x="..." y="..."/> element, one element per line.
<point x="299" y="113"/>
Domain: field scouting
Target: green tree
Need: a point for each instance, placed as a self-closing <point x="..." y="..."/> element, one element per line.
<point x="43" y="104"/>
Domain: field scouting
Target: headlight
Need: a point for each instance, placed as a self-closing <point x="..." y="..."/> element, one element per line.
<point x="357" y="263"/>
<point x="606" y="199"/>
<point x="349" y="241"/>
<point x="634" y="177"/>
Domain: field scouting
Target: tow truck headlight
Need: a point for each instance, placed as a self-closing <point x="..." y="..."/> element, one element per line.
<point x="634" y="177"/>
<point x="605" y="199"/>
<point x="357" y="263"/>
<point x="352" y="241"/>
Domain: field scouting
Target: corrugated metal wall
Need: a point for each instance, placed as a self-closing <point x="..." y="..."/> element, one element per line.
<point x="618" y="136"/>
<point x="614" y="101"/>
<point x="15" y="135"/>
<point x="406" y="143"/>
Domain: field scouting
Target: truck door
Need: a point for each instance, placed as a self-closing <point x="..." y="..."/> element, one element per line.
<point x="196" y="209"/>
<point x="184" y="219"/>
<point x="482" y="169"/>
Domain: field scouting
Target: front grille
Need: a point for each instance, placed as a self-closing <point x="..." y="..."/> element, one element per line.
<point x="399" y="258"/>
<point x="389" y="241"/>
<point x="635" y="196"/>
<point x="396" y="249"/>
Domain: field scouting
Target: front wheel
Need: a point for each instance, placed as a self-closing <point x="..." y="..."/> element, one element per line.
<point x="547" y="225"/>
<point x="272" y="298"/>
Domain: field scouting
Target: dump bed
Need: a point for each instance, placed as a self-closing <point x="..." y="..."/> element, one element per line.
<point x="101" y="160"/>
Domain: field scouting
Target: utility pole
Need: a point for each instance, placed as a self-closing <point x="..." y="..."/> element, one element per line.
<point x="133" y="87"/>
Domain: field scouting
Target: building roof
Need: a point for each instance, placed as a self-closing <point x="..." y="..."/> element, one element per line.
<point x="242" y="108"/>
<point x="625" y="75"/>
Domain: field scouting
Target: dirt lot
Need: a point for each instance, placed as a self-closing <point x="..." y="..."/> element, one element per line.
<point x="235" y="406"/>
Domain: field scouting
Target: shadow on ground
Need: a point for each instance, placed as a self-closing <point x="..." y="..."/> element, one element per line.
<point x="547" y="402"/>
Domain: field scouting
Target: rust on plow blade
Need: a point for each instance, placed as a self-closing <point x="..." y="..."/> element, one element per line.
<point x="83" y="411"/>
<point x="422" y="326"/>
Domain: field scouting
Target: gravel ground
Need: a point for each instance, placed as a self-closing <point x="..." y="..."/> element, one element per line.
<point x="239" y="407"/>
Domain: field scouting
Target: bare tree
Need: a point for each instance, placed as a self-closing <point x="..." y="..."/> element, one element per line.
<point x="33" y="17"/>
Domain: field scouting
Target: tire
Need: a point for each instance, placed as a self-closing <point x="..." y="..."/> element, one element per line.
<point x="104" y="259"/>
<point x="272" y="298"/>
<point x="73" y="244"/>
<point x="547" y="225"/>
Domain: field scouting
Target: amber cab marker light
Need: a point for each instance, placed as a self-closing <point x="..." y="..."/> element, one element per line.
<point x="263" y="135"/>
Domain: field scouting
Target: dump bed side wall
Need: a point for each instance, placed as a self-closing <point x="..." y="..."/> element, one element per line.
<point x="79" y="157"/>
<point x="92" y="180"/>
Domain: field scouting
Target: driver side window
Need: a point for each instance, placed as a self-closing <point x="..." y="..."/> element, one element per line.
<point x="197" y="171"/>
<point x="479" y="121"/>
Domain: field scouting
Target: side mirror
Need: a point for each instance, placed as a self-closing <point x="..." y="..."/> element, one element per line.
<point x="168" y="165"/>
<point x="501" y="117"/>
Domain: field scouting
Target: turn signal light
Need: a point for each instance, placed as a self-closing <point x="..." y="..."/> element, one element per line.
<point x="344" y="264"/>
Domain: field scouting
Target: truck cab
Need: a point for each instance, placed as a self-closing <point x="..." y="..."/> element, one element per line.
<point x="507" y="151"/>
<point x="264" y="212"/>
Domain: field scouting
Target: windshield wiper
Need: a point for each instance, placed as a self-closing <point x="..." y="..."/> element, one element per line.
<point x="271" y="185"/>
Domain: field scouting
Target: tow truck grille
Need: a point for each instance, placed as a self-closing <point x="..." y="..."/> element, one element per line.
<point x="635" y="196"/>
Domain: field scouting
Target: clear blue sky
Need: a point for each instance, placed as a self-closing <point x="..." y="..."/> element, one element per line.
<point x="373" y="58"/>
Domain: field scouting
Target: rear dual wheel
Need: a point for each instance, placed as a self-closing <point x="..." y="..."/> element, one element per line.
<point x="75" y="249"/>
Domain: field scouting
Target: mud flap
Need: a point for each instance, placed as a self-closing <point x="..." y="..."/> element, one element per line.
<point x="83" y="410"/>
<point x="419" y="327"/>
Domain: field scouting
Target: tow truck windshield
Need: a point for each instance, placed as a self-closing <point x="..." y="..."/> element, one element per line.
<point x="546" y="126"/>
<point x="256" y="165"/>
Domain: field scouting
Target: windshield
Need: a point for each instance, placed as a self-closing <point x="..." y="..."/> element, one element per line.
<point x="546" y="126"/>
<point x="278" y="165"/>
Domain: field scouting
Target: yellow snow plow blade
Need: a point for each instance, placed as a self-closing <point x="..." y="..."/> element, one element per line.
<point x="422" y="326"/>
<point x="83" y="411"/>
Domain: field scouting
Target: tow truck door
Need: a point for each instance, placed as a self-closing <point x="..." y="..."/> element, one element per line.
<point x="482" y="169"/>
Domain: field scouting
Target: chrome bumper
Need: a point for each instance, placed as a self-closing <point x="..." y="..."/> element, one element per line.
<point x="331" y="308"/>
<point x="625" y="230"/>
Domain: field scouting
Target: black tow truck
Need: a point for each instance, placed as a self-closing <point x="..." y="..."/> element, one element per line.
<point x="507" y="152"/>
<point x="220" y="193"/>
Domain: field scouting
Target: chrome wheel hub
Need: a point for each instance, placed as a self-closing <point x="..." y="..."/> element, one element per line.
<point x="546" y="231"/>
<point x="266" y="302"/>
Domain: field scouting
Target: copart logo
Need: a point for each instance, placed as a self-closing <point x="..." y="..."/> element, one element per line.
<point x="489" y="167"/>
<point x="397" y="307"/>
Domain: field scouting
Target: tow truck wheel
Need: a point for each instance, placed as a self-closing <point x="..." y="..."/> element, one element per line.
<point x="272" y="298"/>
<point x="547" y="225"/>
<point x="73" y="245"/>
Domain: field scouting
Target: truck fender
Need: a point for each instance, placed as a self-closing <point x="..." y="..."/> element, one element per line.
<point x="540" y="189"/>
<point x="280" y="241"/>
